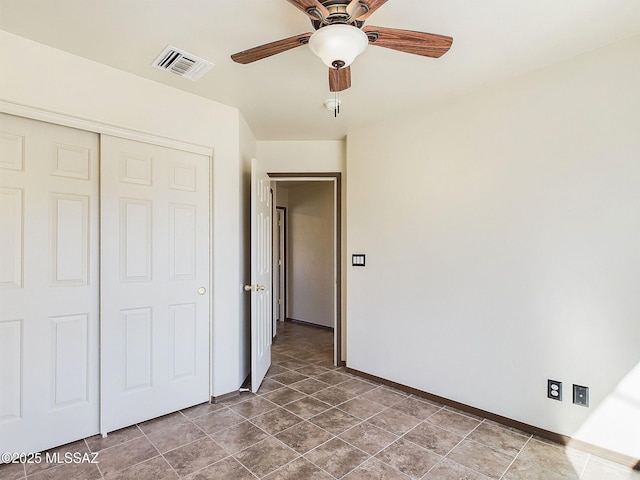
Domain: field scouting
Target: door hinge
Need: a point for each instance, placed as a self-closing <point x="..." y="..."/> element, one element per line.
<point x="279" y="301"/>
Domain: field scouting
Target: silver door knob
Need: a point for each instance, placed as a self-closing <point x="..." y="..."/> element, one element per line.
<point x="248" y="288"/>
<point x="202" y="290"/>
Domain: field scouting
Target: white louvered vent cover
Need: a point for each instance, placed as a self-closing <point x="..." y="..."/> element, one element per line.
<point x="182" y="63"/>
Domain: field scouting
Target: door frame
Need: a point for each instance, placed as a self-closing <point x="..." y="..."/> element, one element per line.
<point x="282" y="242"/>
<point x="336" y="178"/>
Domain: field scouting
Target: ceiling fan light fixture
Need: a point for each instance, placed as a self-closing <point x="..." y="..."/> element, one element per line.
<point x="338" y="45"/>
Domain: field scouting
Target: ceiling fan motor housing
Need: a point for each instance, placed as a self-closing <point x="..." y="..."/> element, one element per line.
<point x="338" y="44"/>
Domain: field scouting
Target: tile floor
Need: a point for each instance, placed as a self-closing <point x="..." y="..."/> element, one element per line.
<point x="313" y="421"/>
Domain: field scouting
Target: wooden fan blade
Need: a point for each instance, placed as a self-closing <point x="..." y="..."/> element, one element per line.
<point x="269" y="49"/>
<point x="340" y="79"/>
<point x="372" y="4"/>
<point x="305" y="5"/>
<point x="417" y="43"/>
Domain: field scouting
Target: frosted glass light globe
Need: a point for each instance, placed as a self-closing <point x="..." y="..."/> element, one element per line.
<point x="338" y="45"/>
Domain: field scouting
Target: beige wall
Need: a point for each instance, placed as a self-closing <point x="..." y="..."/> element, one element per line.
<point x="310" y="253"/>
<point x="501" y="231"/>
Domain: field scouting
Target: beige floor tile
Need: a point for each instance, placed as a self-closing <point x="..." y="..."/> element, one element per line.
<point x="448" y="470"/>
<point x="156" y="468"/>
<point x="554" y="457"/>
<point x="522" y="470"/>
<point x="269" y="385"/>
<point x="356" y="386"/>
<point x="12" y="471"/>
<point x="374" y="469"/>
<point x="337" y="457"/>
<point x="304" y="437"/>
<point x="116" y="459"/>
<point x="283" y="396"/>
<point x="174" y="437"/>
<point x="598" y="469"/>
<point x="434" y="438"/>
<point x="299" y="469"/>
<point x="194" y="456"/>
<point x="266" y="456"/>
<point x="253" y="407"/>
<point x="202" y="409"/>
<point x="498" y="438"/>
<point x="97" y="443"/>
<point x="239" y="437"/>
<point x="480" y="458"/>
<point x="453" y="422"/>
<point x="362" y="408"/>
<point x="369" y="438"/>
<point x="227" y="469"/>
<point x="79" y="447"/>
<point x="162" y="422"/>
<point x="70" y="471"/>
<point x="416" y="408"/>
<point x="409" y="458"/>
<point x="216" y="421"/>
<point x="310" y="386"/>
<point x="276" y="420"/>
<point x="394" y="421"/>
<point x="307" y="407"/>
<point x="332" y="378"/>
<point x="384" y="396"/>
<point x="312" y="370"/>
<point x="335" y="421"/>
<point x="333" y="395"/>
<point x="290" y="377"/>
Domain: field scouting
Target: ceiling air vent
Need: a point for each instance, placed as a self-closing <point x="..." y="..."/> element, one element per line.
<point x="182" y="63"/>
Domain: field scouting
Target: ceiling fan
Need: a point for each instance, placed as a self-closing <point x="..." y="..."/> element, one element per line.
<point x="340" y="36"/>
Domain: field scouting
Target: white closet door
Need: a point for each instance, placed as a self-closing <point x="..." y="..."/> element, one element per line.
<point x="155" y="281"/>
<point x="49" y="289"/>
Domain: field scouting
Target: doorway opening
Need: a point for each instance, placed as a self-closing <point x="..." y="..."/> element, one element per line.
<point x="307" y="252"/>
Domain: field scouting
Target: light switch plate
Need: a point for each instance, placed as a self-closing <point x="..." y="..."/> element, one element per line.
<point x="358" y="260"/>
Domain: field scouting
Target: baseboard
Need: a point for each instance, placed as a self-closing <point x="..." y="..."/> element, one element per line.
<point x="546" y="434"/>
<point x="309" y="324"/>
<point x="225" y="397"/>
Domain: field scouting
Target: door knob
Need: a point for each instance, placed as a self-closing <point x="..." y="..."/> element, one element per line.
<point x="248" y="288"/>
<point x="202" y="290"/>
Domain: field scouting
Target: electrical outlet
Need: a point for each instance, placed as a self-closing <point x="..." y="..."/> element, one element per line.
<point x="581" y="395"/>
<point x="554" y="390"/>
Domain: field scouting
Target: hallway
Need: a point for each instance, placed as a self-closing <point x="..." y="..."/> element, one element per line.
<point x="313" y="421"/>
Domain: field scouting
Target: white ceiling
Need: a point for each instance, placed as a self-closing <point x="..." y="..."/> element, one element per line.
<point x="282" y="97"/>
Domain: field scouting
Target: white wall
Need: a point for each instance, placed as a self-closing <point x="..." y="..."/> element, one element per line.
<point x="302" y="156"/>
<point x="502" y="237"/>
<point x="48" y="79"/>
<point x="310" y="253"/>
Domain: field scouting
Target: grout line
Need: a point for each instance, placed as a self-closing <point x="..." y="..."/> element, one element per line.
<point x="516" y="457"/>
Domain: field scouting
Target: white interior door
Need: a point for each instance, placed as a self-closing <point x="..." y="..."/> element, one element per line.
<point x="260" y="288"/>
<point x="49" y="251"/>
<point x="155" y="281"/>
